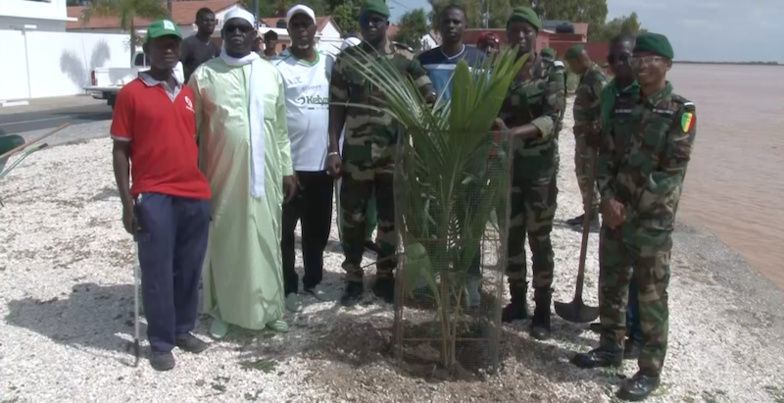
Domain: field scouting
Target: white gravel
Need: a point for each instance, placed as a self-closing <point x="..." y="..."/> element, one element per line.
<point x="66" y="302"/>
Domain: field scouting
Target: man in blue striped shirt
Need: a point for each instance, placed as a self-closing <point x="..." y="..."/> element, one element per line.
<point x="440" y="62"/>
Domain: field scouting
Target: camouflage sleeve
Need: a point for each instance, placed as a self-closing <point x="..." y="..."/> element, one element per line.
<point x="605" y="160"/>
<point x="420" y="77"/>
<point x="554" y="103"/>
<point x="338" y="90"/>
<point x="666" y="182"/>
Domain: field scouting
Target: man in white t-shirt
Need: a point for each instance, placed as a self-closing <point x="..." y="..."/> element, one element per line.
<point x="305" y="73"/>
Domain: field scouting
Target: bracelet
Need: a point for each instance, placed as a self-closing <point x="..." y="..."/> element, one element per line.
<point x="333" y="153"/>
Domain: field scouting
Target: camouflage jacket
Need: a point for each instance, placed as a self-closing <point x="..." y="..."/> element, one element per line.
<point x="644" y="154"/>
<point x="559" y="67"/>
<point x="371" y="135"/>
<point x="536" y="96"/>
<point x="587" y="101"/>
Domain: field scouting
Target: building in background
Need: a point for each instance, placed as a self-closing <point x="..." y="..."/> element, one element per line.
<point x="183" y="14"/>
<point x="34" y="15"/>
<point x="554" y="34"/>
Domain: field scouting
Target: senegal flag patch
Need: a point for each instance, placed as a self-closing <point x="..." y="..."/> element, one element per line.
<point x="688" y="120"/>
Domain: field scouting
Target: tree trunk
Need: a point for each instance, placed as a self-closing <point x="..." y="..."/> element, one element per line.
<point x="169" y="6"/>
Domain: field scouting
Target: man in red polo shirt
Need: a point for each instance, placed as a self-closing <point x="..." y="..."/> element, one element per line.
<point x="167" y="208"/>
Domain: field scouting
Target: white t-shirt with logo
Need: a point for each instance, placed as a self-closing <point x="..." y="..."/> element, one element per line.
<point x="307" y="108"/>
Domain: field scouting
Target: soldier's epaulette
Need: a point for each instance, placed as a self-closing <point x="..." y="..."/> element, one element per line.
<point x="558" y="64"/>
<point x="685" y="103"/>
<point x="403" y="46"/>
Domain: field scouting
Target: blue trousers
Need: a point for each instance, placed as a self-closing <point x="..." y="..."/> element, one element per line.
<point x="172" y="241"/>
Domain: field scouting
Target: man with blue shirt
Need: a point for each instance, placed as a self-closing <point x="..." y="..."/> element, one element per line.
<point x="440" y="63"/>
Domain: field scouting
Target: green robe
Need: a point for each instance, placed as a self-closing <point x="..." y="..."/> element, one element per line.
<point x="243" y="280"/>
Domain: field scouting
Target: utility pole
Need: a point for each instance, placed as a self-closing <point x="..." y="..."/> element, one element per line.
<point x="256" y="13"/>
<point x="169" y="6"/>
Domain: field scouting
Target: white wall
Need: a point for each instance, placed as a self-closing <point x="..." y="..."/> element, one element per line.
<point x="59" y="63"/>
<point x="47" y="15"/>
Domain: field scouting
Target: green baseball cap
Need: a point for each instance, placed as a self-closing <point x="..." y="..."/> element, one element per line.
<point x="164" y="27"/>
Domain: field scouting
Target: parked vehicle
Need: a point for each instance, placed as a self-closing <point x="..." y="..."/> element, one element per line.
<point x="107" y="81"/>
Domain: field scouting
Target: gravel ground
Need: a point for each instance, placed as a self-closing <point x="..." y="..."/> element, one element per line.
<point x="66" y="301"/>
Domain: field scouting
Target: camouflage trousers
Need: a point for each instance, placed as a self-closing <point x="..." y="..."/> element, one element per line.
<point x="583" y="168"/>
<point x="628" y="253"/>
<point x="370" y="216"/>
<point x="533" y="201"/>
<point x="356" y="190"/>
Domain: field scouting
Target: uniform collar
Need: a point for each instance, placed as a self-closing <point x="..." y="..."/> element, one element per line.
<point x="152" y="82"/>
<point x="661" y="94"/>
<point x="631" y="87"/>
<point x="389" y="48"/>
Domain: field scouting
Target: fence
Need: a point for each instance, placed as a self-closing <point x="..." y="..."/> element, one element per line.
<point x="50" y="64"/>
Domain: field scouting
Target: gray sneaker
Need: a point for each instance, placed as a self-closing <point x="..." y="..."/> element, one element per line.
<point x="162" y="360"/>
<point x="318" y="293"/>
<point x="293" y="303"/>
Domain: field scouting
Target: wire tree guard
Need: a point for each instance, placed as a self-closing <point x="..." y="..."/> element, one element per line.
<point x="446" y="189"/>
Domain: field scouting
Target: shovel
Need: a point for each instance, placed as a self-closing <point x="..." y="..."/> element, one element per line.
<point x="576" y="311"/>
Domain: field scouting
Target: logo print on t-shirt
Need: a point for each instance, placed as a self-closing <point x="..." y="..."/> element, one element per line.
<point x="189" y="104"/>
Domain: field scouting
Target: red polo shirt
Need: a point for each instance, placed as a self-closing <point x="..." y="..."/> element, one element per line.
<point x="161" y="127"/>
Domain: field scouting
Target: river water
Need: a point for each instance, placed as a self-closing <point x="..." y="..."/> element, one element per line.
<point x="735" y="181"/>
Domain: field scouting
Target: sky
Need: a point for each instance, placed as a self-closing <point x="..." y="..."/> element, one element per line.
<point x="700" y="30"/>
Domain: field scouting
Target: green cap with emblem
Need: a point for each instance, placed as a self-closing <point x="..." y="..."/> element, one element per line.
<point x="161" y="28"/>
<point x="574" y="51"/>
<point x="375" y="6"/>
<point x="655" y="43"/>
<point x="548" y="52"/>
<point x="525" y="14"/>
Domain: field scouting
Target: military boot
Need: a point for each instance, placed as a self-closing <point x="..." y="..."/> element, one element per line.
<point x="578" y="221"/>
<point x="601" y="357"/>
<point x="540" y="325"/>
<point x="517" y="308"/>
<point x="638" y="387"/>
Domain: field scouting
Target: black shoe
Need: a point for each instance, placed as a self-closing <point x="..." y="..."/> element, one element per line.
<point x="638" y="387"/>
<point x="384" y="288"/>
<point x="540" y="324"/>
<point x="191" y="343"/>
<point x="517" y="309"/>
<point x="576" y="221"/>
<point x="162" y="360"/>
<point x="352" y="294"/>
<point x="373" y="247"/>
<point x="631" y="350"/>
<point x="595" y="327"/>
<point x="597" y="358"/>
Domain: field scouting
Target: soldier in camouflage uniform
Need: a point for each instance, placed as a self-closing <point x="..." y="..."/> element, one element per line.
<point x="530" y="113"/>
<point x="368" y="150"/>
<point x="641" y="175"/>
<point x="587" y="127"/>
<point x="548" y="54"/>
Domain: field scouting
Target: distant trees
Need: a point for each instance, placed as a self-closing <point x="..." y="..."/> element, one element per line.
<point x="413" y="26"/>
<point x="628" y="24"/>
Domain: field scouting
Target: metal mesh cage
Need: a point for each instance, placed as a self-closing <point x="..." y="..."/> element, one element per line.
<point x="450" y="273"/>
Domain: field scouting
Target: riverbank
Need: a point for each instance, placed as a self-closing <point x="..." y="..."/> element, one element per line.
<point x="66" y="305"/>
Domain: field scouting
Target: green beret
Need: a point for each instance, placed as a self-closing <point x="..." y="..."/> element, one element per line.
<point x="549" y="52"/>
<point x="574" y="51"/>
<point x="655" y="43"/>
<point x="525" y="14"/>
<point x="375" y="6"/>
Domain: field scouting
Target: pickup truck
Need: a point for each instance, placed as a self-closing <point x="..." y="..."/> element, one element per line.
<point x="107" y="81"/>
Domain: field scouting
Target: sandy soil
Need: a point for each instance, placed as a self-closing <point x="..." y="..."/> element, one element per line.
<point x="66" y="301"/>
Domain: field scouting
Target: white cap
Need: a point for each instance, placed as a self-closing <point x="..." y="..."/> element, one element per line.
<point x="349" y="42"/>
<point x="300" y="9"/>
<point x="241" y="13"/>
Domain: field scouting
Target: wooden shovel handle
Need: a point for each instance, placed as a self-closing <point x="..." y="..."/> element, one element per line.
<point x="586" y="226"/>
<point x="28" y="144"/>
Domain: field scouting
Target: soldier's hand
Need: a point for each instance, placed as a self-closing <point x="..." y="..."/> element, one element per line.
<point x="613" y="213"/>
<point x="334" y="165"/>
<point x="289" y="188"/>
<point x="499" y="124"/>
<point x="128" y="220"/>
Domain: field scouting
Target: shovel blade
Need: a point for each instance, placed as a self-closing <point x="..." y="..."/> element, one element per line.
<point x="576" y="311"/>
